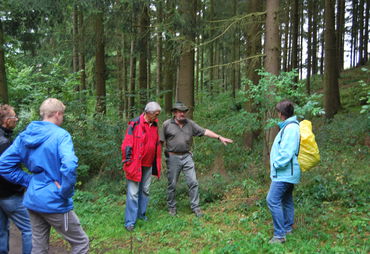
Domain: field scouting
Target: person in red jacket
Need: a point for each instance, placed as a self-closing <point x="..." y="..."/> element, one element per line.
<point x="141" y="157"/>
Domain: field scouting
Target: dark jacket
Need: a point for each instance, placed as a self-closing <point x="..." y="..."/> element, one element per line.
<point x="133" y="148"/>
<point x="7" y="188"/>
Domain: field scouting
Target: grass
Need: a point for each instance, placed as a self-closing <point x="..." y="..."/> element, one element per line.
<point x="331" y="202"/>
<point x="332" y="214"/>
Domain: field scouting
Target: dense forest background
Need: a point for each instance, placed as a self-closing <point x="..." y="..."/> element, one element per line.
<point x="106" y="59"/>
<point x="230" y="61"/>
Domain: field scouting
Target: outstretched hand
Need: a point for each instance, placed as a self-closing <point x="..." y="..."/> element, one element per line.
<point x="225" y="141"/>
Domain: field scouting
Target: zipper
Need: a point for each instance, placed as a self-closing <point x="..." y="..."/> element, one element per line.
<point x="291" y="166"/>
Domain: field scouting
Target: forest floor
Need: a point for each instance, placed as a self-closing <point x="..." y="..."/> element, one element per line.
<point x="16" y="243"/>
<point x="331" y="202"/>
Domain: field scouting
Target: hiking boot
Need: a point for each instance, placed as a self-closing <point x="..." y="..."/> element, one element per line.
<point x="198" y="212"/>
<point x="277" y="240"/>
<point x="144" y="218"/>
<point x="172" y="211"/>
<point x="130" y="228"/>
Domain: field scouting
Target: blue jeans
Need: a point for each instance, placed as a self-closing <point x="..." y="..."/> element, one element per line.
<point x="137" y="197"/>
<point x="12" y="208"/>
<point x="280" y="203"/>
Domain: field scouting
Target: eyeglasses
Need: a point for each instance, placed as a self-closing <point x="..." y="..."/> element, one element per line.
<point x="12" y="117"/>
<point x="154" y="114"/>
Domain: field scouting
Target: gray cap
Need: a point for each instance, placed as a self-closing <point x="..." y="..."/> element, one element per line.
<point x="179" y="106"/>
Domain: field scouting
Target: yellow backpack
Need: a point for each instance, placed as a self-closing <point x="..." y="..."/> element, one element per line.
<point x="309" y="154"/>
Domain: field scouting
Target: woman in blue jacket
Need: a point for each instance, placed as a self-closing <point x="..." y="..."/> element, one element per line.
<point x="285" y="172"/>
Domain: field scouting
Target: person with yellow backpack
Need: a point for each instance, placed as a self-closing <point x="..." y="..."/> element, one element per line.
<point x="294" y="149"/>
<point x="285" y="172"/>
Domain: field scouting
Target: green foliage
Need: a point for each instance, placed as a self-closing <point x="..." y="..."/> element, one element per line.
<point x="365" y="95"/>
<point x="331" y="206"/>
<point x="31" y="85"/>
<point x="342" y="150"/>
<point x="272" y="89"/>
<point x="331" y="202"/>
<point x="226" y="116"/>
<point x="97" y="144"/>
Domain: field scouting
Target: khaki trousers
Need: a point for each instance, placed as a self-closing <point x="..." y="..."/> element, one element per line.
<point x="67" y="224"/>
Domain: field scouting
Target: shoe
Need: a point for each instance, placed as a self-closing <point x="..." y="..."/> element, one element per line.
<point x="130" y="228"/>
<point x="277" y="240"/>
<point x="144" y="218"/>
<point x="198" y="212"/>
<point x="172" y="211"/>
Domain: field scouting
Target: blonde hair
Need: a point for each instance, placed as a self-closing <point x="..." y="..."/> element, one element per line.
<point x="50" y="106"/>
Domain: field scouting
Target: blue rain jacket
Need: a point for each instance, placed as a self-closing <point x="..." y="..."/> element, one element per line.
<point x="47" y="151"/>
<point x="284" y="165"/>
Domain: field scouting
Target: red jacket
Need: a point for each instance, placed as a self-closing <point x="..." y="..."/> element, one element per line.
<point x="132" y="150"/>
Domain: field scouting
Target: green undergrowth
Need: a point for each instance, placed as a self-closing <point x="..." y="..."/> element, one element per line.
<point x="332" y="214"/>
<point x="331" y="202"/>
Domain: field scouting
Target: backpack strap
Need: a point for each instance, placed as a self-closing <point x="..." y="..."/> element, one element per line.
<point x="282" y="132"/>
<point x="299" y="144"/>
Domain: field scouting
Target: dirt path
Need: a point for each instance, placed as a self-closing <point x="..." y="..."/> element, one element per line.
<point x="16" y="243"/>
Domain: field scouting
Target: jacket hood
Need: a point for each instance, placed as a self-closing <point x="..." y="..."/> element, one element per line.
<point x="37" y="133"/>
<point x="288" y="120"/>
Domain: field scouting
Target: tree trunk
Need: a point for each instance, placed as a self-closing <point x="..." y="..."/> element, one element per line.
<point x="272" y="39"/>
<point x="81" y="51"/>
<point x="361" y="46"/>
<point x="253" y="47"/>
<point x="289" y="62"/>
<point x="197" y="52"/>
<point x="286" y="36"/>
<point x="75" y="39"/>
<point x="301" y="45"/>
<point x="100" y="64"/>
<point x="211" y="50"/>
<point x="197" y="65"/>
<point x="322" y="54"/>
<point x="120" y="83"/>
<point x="331" y="88"/>
<point x="272" y="63"/>
<point x="314" y="38"/>
<point x="366" y="37"/>
<point x="340" y="33"/>
<point x="169" y="80"/>
<point x="131" y="104"/>
<point x="159" y="48"/>
<point x="295" y="24"/>
<point x="309" y="47"/>
<point x="186" y="65"/>
<point x="122" y="77"/>
<point x="144" y="24"/>
<point x="170" y="59"/>
<point x="218" y="54"/>
<point x="234" y="52"/>
<point x="3" y="81"/>
<point x="354" y="32"/>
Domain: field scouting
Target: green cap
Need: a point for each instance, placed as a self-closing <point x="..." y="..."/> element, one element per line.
<point x="179" y="106"/>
